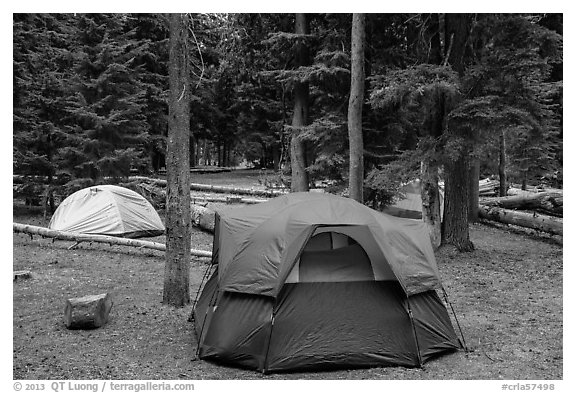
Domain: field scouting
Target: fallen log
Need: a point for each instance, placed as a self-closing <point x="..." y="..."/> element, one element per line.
<point x="157" y="196"/>
<point x="205" y="169"/>
<point x="513" y="191"/>
<point x="227" y="200"/>
<point x="210" y="169"/>
<point x="546" y="202"/>
<point x="112" y="240"/>
<point x="536" y="221"/>
<point x="203" y="217"/>
<point x="215" y="189"/>
<point x="488" y="187"/>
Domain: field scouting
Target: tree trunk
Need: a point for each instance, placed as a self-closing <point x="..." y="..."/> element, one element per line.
<point x="356" y="180"/>
<point x="197" y="154"/>
<point x="455" y="229"/>
<point x="430" y="194"/>
<point x="220" y="153"/>
<point x="227" y="149"/>
<point x="455" y="224"/>
<point x="300" y="180"/>
<point x="177" y="267"/>
<point x="502" y="165"/>
<point x="276" y="158"/>
<point x="524" y="179"/>
<point x="524" y="219"/>
<point x="474" y="194"/>
<point x="192" y="144"/>
<point x="206" y="153"/>
<point x="457" y="27"/>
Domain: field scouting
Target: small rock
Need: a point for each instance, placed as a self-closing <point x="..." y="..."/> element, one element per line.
<point x="87" y="312"/>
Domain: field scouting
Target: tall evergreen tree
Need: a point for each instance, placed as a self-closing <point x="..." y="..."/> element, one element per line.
<point x="151" y="64"/>
<point x="109" y="103"/>
<point x="42" y="65"/>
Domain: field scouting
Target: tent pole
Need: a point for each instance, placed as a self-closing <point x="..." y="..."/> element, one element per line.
<point x="203" y="323"/>
<point x="265" y="365"/>
<point x="455" y="318"/>
<point x="410" y="315"/>
<point x="204" y="278"/>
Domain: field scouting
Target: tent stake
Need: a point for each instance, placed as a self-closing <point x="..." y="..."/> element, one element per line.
<point x="73" y="246"/>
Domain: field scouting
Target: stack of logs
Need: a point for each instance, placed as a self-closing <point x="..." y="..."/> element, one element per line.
<point x="537" y="210"/>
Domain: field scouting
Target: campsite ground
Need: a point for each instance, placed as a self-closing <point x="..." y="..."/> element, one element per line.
<point x="507" y="295"/>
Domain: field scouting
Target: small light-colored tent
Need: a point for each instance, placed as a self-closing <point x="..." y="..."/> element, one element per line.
<point x="107" y="210"/>
<point x="314" y="281"/>
<point x="410" y="204"/>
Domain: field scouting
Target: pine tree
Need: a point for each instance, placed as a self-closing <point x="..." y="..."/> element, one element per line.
<point x="42" y="70"/>
<point x="110" y="100"/>
<point x="150" y="62"/>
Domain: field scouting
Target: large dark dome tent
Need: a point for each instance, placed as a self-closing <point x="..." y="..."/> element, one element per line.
<point x="311" y="281"/>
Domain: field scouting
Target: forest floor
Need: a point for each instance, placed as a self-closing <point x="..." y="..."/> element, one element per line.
<point x="507" y="295"/>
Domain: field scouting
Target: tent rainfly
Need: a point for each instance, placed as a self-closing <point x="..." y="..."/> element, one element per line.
<point x="315" y="281"/>
<point x="107" y="210"/>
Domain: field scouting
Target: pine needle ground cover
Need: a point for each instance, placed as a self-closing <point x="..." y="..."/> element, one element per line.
<point x="507" y="295"/>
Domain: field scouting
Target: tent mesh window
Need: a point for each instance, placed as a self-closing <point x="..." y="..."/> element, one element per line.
<point x="327" y="256"/>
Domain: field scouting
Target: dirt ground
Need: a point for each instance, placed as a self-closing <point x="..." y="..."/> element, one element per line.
<point x="507" y="296"/>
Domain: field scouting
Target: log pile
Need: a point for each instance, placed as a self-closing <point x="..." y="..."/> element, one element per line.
<point x="550" y="203"/>
<point x="488" y="187"/>
<point x="541" y="211"/>
<point x="532" y="220"/>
